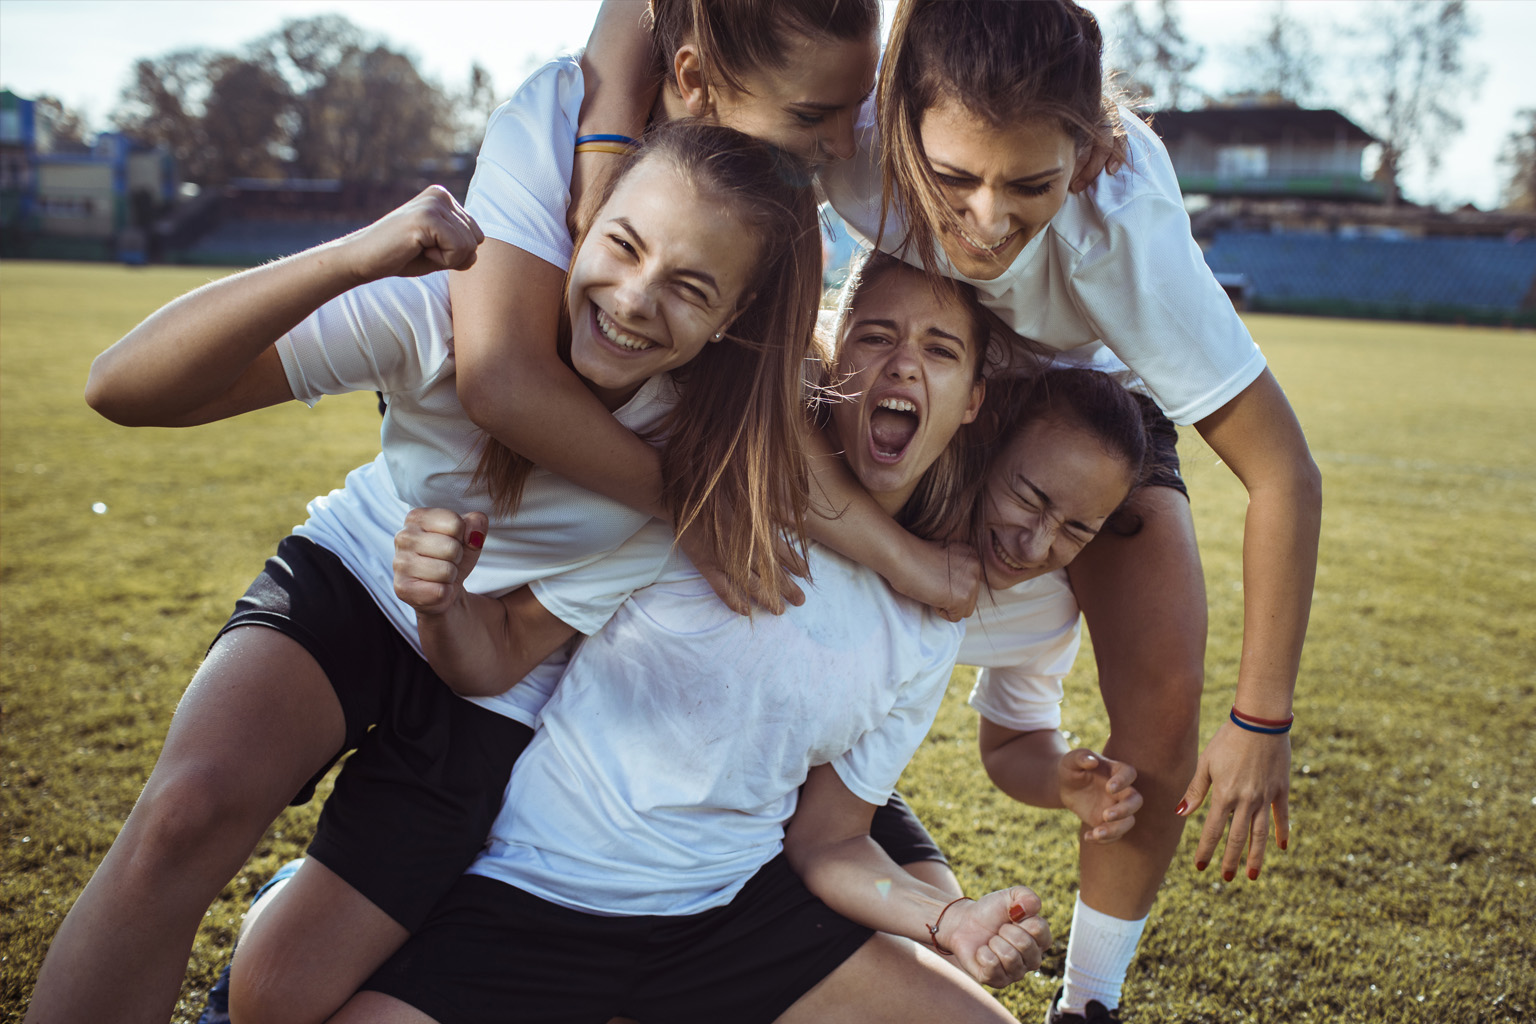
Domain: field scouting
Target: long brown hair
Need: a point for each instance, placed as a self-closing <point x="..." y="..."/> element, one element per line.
<point x="737" y="37"/>
<point x="733" y="460"/>
<point x="1005" y="61"/>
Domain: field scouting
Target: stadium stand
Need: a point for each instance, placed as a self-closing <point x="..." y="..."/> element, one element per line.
<point x="1479" y="279"/>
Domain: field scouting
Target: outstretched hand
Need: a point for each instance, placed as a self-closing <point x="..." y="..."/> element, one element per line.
<point x="431" y="232"/>
<point x="434" y="552"/>
<point x="1101" y="792"/>
<point x="1245" y="774"/>
<point x="997" y="939"/>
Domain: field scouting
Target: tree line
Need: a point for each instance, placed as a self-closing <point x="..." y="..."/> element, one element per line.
<point x="321" y="98"/>
<point x="317" y="98"/>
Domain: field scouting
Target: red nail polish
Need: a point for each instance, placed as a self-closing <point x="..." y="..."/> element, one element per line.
<point x="1183" y="806"/>
<point x="1227" y="876"/>
<point x="1015" y="912"/>
<point x="1253" y="874"/>
<point x="1283" y="843"/>
<point x="1200" y="865"/>
<point x="476" y="539"/>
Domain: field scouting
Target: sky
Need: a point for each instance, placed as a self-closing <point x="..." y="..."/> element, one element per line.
<point x="82" y="50"/>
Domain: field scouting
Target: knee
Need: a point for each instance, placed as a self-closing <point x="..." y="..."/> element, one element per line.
<point x="185" y="809"/>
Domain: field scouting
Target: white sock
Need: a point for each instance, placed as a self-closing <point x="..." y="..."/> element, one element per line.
<point x="1099" y="952"/>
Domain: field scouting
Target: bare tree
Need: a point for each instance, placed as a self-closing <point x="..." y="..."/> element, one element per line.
<point x="63" y="128"/>
<point x="1154" y="55"/>
<point x="1519" y="155"/>
<point x="473" y="108"/>
<point x="1283" y="61"/>
<point x="1419" y="80"/>
<point x="243" y="118"/>
<point x="163" y="105"/>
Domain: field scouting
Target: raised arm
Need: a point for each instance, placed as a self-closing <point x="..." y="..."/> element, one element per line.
<point x="996" y="939"/>
<point x="1247" y="773"/>
<point x="621" y="83"/>
<point x="479" y="646"/>
<point x="209" y="354"/>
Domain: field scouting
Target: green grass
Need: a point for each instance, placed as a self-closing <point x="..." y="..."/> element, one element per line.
<point x="1406" y="893"/>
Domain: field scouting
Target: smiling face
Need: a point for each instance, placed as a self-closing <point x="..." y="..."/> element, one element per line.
<point x="907" y="363"/>
<point x="663" y="269"/>
<point x="1005" y="184"/>
<point x="807" y="107"/>
<point x="1051" y="489"/>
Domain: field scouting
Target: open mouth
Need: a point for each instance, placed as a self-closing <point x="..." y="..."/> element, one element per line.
<point x="620" y="337"/>
<point x="892" y="426"/>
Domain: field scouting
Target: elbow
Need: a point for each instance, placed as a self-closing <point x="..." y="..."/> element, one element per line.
<point x="105" y="394"/>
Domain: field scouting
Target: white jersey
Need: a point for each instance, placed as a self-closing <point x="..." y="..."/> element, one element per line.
<point x="671" y="757"/>
<point x="1115" y="280"/>
<point x="1025" y="639"/>
<point x="396" y="336"/>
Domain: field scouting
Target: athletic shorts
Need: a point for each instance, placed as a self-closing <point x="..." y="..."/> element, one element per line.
<point x="413" y="804"/>
<point x="900" y="833"/>
<point x="493" y="953"/>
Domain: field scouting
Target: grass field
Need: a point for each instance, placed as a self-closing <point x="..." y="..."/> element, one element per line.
<point x="1409" y="887"/>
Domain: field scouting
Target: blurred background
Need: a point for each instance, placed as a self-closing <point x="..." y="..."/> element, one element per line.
<point x="1350" y="158"/>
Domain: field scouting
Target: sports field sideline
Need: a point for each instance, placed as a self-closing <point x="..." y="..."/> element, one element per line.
<point x="1410" y="882"/>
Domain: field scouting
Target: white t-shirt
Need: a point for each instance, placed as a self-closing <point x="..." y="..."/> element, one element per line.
<point x="1026" y="639"/>
<point x="1116" y="273"/>
<point x="523" y="172"/>
<point x="395" y="336"/>
<point x="670" y="759"/>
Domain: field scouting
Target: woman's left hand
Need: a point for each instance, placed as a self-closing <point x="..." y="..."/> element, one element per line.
<point x="1245" y="773"/>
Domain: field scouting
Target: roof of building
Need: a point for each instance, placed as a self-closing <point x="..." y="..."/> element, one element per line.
<point x="1257" y="124"/>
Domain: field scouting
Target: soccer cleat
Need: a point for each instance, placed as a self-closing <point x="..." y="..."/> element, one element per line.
<point x="216" y="1010"/>
<point x="1094" y="1013"/>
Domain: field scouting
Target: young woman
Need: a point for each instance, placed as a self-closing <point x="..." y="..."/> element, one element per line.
<point x="636" y="867"/>
<point x="792" y="73"/>
<point x="690" y="307"/>
<point x="985" y="113"/>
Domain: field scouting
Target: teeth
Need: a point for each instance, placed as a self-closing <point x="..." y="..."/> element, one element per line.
<point x="1002" y="556"/>
<point x="896" y="405"/>
<point x="983" y="246"/>
<point x="620" y="337"/>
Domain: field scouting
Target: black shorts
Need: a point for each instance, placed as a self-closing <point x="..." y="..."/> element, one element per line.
<point x="492" y="953"/>
<point x="413" y="804"/>
<point x="900" y="833"/>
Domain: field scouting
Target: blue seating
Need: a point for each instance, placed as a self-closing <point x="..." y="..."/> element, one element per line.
<point x="1404" y="276"/>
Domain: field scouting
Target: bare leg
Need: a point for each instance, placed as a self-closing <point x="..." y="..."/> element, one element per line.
<point x="1144" y="601"/>
<point x="258" y="720"/>
<point x="314" y="943"/>
<point x="377" y="1008"/>
<point x="893" y="979"/>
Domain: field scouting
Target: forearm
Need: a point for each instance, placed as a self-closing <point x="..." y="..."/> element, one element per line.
<point x="480" y="646"/>
<point x="1026" y="767"/>
<point x="846" y="519"/>
<point x="618" y="72"/>
<point x="856" y="878"/>
<point x="1280" y="542"/>
<point x="194" y="349"/>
